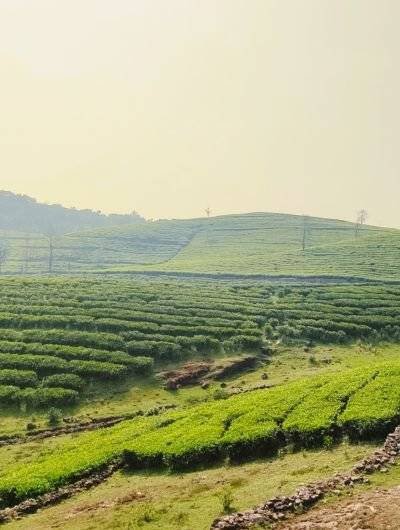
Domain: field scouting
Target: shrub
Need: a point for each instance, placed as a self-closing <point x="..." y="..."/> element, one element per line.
<point x="8" y="393"/>
<point x="44" y="397"/>
<point x="64" y="381"/>
<point x="226" y="498"/>
<point x="54" y="417"/>
<point x="20" y="378"/>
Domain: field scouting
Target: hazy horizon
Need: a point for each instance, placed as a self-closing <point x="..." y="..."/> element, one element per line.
<point x="170" y="107"/>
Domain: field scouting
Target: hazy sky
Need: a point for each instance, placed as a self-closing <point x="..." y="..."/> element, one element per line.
<point x="168" y="106"/>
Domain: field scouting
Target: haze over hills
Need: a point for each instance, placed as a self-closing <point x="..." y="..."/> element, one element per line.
<point x="25" y="214"/>
<point x="251" y="244"/>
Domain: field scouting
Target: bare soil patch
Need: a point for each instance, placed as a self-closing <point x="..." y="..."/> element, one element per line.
<point x="378" y="510"/>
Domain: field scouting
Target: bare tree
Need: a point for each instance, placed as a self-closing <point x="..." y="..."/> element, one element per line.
<point x="3" y="256"/>
<point x="361" y="219"/>
<point x="305" y="232"/>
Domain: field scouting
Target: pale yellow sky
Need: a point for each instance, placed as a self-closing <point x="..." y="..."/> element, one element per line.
<point x="167" y="106"/>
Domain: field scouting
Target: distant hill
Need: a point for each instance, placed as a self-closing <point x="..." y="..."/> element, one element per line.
<point x="272" y="244"/>
<point x="24" y="214"/>
<point x="249" y="244"/>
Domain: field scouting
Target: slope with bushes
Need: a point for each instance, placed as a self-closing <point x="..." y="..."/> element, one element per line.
<point x="105" y="329"/>
<point x="249" y="244"/>
<point x="308" y="412"/>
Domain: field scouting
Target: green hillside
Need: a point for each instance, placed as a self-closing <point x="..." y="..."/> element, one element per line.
<point x="248" y="244"/>
<point x="273" y="245"/>
<point x="142" y="243"/>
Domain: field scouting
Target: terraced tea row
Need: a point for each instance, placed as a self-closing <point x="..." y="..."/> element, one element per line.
<point x="306" y="412"/>
<point x="110" y="328"/>
<point x="336" y="313"/>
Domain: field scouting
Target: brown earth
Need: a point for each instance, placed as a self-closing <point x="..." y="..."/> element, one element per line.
<point x="377" y="510"/>
<point x="202" y="372"/>
<point x="188" y="374"/>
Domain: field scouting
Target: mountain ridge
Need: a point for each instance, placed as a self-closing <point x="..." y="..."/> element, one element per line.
<point x="24" y="213"/>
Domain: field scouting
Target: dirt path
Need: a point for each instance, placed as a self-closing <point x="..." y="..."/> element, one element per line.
<point x="377" y="510"/>
<point x="282" y="278"/>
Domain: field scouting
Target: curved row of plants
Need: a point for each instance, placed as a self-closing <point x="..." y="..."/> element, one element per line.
<point x="359" y="403"/>
<point x="90" y="329"/>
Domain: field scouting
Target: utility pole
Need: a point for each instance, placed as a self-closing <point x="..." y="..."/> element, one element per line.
<point x="27" y="255"/>
<point x="3" y="256"/>
<point x="51" y="253"/>
<point x="50" y="239"/>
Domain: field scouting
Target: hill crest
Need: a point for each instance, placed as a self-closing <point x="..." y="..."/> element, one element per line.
<point x="25" y="214"/>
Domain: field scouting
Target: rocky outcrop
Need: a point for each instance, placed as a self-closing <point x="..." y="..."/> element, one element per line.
<point x="189" y="374"/>
<point x="231" y="366"/>
<point x="278" y="508"/>
<point x="203" y="372"/>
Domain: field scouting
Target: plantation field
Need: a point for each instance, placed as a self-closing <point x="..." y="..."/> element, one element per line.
<point x="58" y="337"/>
<point x="331" y="376"/>
<point x="307" y="412"/>
<point x="248" y="244"/>
<point x="272" y="244"/>
<point x="79" y="251"/>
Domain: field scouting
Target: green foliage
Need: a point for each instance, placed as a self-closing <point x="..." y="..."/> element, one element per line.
<point x="226" y="497"/>
<point x="20" y="378"/>
<point x="64" y="381"/>
<point x="54" y="417"/>
<point x="34" y="398"/>
<point x="315" y="417"/>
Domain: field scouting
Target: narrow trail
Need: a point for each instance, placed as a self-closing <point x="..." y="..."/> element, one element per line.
<point x="282" y="278"/>
<point x="279" y="509"/>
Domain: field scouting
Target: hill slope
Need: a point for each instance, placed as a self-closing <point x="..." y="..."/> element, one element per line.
<point x="272" y="244"/>
<point x="249" y="244"/>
